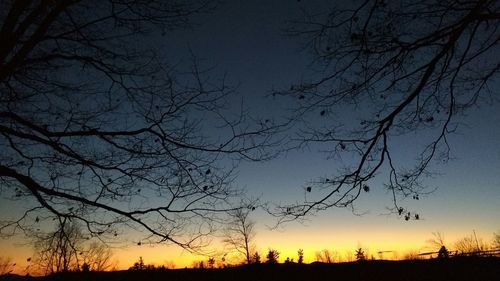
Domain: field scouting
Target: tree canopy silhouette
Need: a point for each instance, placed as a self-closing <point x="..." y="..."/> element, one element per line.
<point x="95" y="127"/>
<point x="239" y="233"/>
<point x="272" y="256"/>
<point x="66" y="248"/>
<point x="389" y="71"/>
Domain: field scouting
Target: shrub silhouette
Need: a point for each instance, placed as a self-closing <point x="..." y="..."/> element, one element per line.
<point x="211" y="262"/>
<point x="272" y="256"/>
<point x="360" y="254"/>
<point x="325" y="256"/>
<point x="443" y="253"/>
<point x="138" y="265"/>
<point x="300" y="254"/>
<point x="256" y="258"/>
<point x="85" y="267"/>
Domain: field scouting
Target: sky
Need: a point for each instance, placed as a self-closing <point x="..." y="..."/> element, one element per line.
<point x="246" y="40"/>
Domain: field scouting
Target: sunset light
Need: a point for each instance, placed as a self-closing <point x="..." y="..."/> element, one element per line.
<point x="249" y="140"/>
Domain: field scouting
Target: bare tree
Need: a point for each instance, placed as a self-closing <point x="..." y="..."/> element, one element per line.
<point x="256" y="258"/>
<point x="67" y="249"/>
<point x="239" y="234"/>
<point x="443" y="253"/>
<point x="6" y="265"/>
<point x="138" y="265"/>
<point x="326" y="256"/>
<point x="496" y="240"/>
<point x="98" y="256"/>
<point x="470" y="245"/>
<point x="412" y="255"/>
<point x="97" y="128"/>
<point x="300" y="256"/>
<point x="437" y="241"/>
<point x="389" y="70"/>
<point x="58" y="251"/>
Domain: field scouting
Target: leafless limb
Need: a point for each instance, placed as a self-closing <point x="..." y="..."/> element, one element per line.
<point x="437" y="241"/>
<point x="96" y="128"/>
<point x="239" y="233"/>
<point x="402" y="69"/>
<point x="6" y="265"/>
<point x="58" y="251"/>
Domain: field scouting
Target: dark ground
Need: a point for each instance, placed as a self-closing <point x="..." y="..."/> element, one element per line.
<point x="465" y="268"/>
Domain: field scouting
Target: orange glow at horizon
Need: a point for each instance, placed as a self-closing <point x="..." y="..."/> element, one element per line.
<point x="395" y="241"/>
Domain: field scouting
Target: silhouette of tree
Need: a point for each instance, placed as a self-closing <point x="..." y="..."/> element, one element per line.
<point x="256" y="258"/>
<point x="58" y="251"/>
<point x="470" y="245"/>
<point x="239" y="232"/>
<point x="138" y="265"/>
<point x="169" y="265"/>
<point x="199" y="264"/>
<point x="411" y="255"/>
<point x="405" y="68"/>
<point x="97" y="256"/>
<point x="437" y="241"/>
<point x="66" y="248"/>
<point x="94" y="125"/>
<point x="496" y="240"/>
<point x="85" y="267"/>
<point x="443" y="253"/>
<point x="325" y="256"/>
<point x="300" y="255"/>
<point x="360" y="254"/>
<point x="272" y="256"/>
<point x="6" y="265"/>
<point x="211" y="262"/>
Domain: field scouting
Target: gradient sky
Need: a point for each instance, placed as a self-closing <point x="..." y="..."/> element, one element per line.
<point x="245" y="39"/>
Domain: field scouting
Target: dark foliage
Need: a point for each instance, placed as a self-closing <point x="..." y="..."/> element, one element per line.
<point x="443" y="253"/>
<point x="300" y="254"/>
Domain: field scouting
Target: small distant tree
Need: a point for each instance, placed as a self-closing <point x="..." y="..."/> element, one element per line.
<point x="443" y="253"/>
<point x="138" y="265"/>
<point x="360" y="254"/>
<point x="97" y="256"/>
<point x="496" y="240"/>
<point x="211" y="263"/>
<point x="58" y="250"/>
<point x="6" y="265"/>
<point x="349" y="256"/>
<point x="66" y="249"/>
<point x="85" y="267"/>
<point x="300" y="254"/>
<point x="199" y="264"/>
<point x="411" y="255"/>
<point x="470" y="245"/>
<point x="256" y="258"/>
<point x="272" y="256"/>
<point x="325" y="256"/>
<point x="240" y="232"/>
<point x="437" y="241"/>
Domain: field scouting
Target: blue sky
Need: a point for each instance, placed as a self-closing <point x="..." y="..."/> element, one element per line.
<point x="246" y="40"/>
